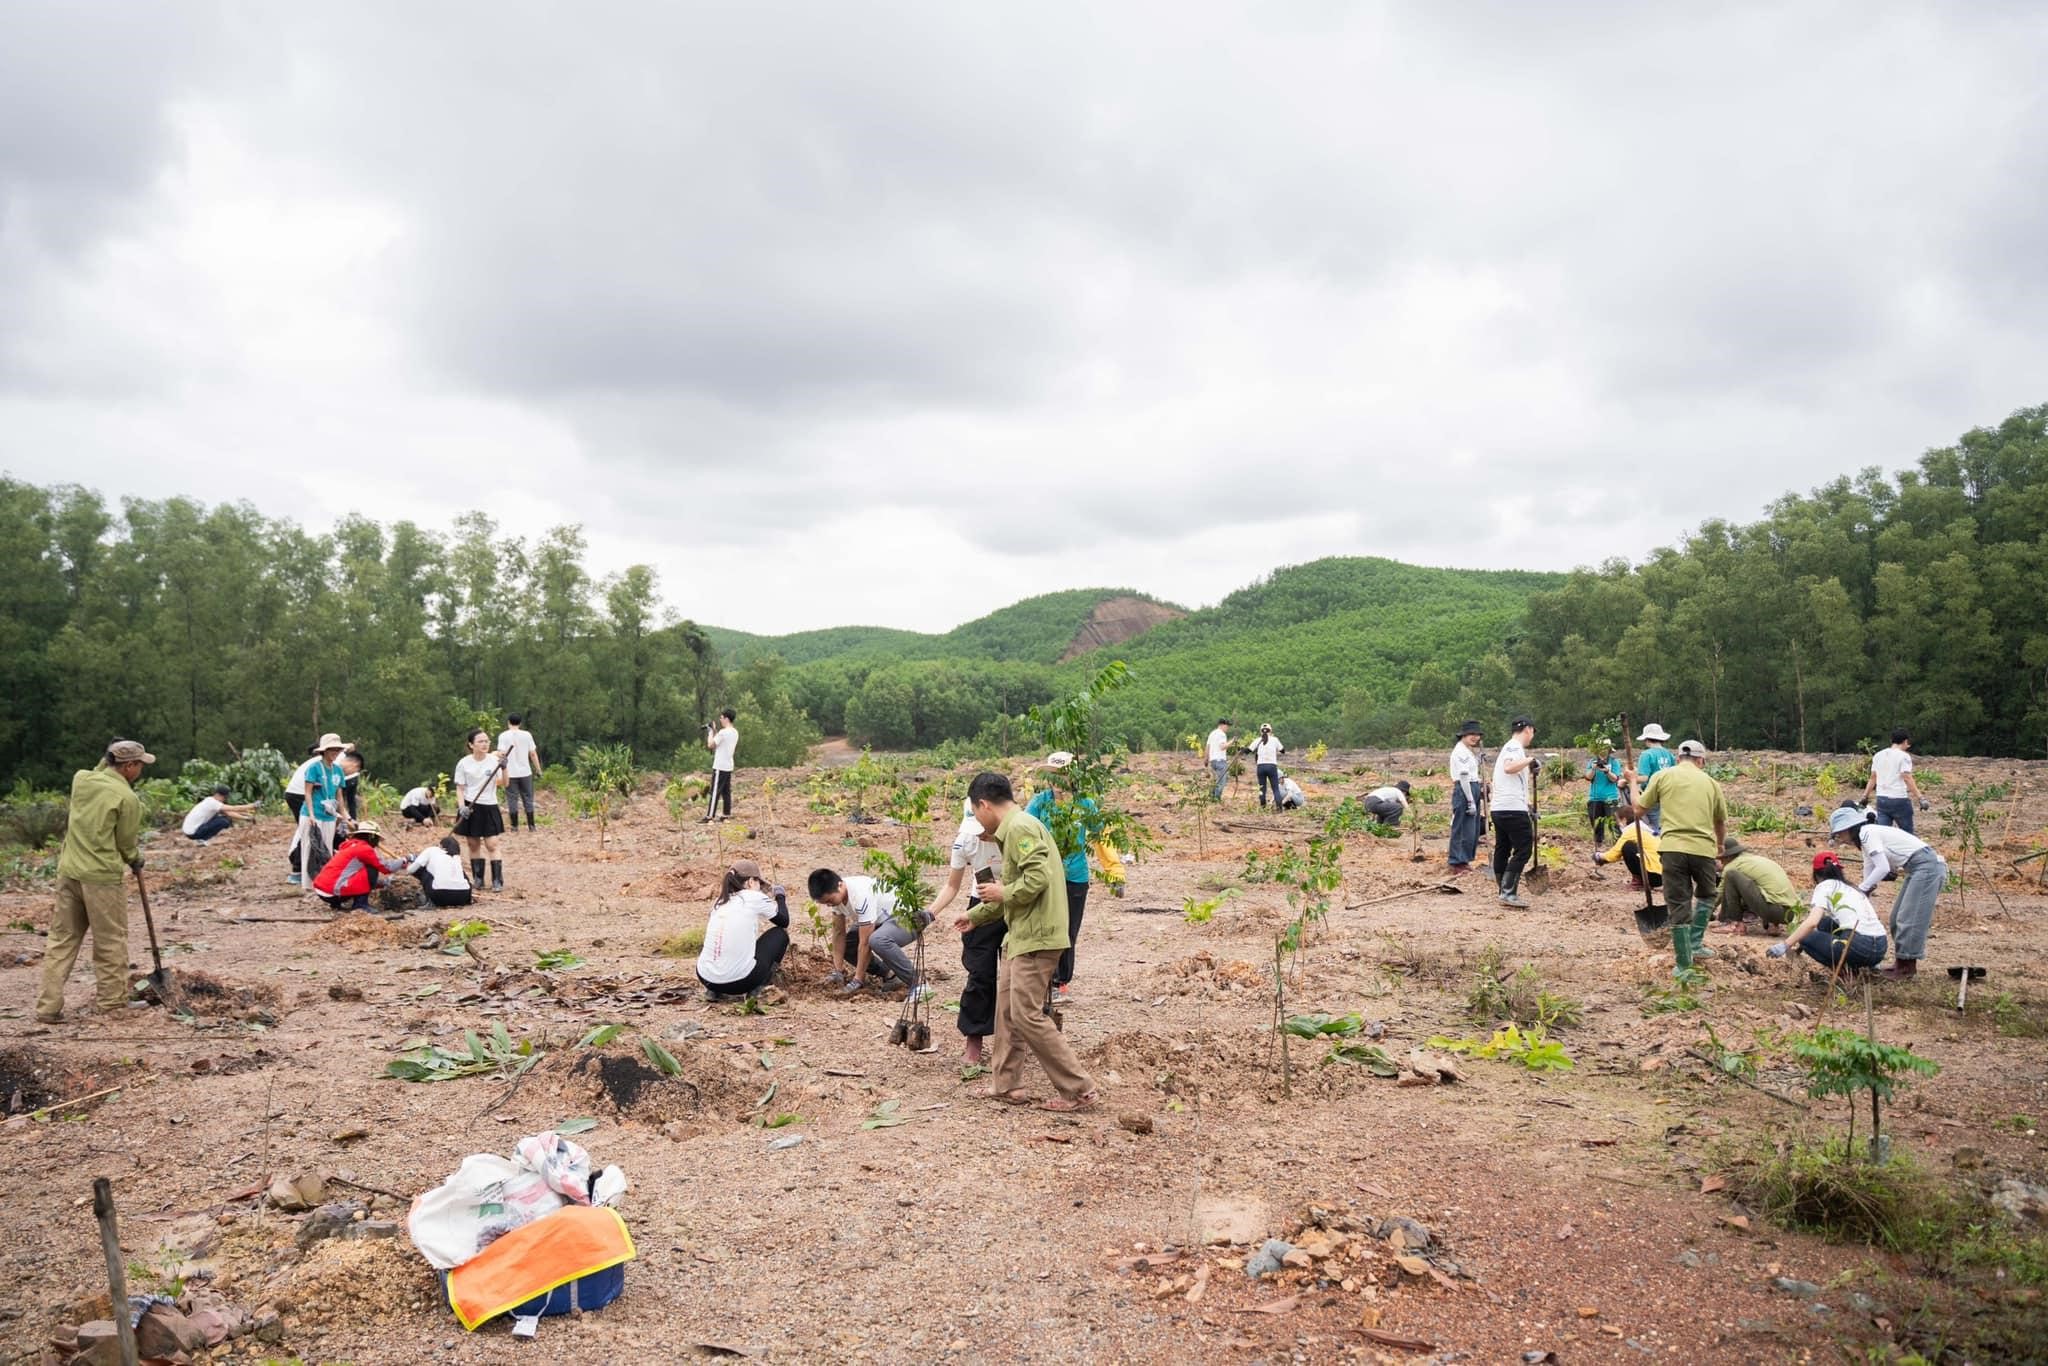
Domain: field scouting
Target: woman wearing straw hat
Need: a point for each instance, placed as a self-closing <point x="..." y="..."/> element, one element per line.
<point x="1887" y="848"/>
<point x="313" y="838"/>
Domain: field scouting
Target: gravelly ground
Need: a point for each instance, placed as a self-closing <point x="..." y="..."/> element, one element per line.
<point x="1570" y="1203"/>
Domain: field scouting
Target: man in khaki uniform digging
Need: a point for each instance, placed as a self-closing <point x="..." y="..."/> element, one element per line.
<point x="1031" y="899"/>
<point x="99" y="849"/>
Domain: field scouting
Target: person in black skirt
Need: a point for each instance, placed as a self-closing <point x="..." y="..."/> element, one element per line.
<point x="479" y="778"/>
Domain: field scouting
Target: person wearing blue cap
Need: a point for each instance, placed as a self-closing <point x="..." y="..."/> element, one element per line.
<point x="1887" y="848"/>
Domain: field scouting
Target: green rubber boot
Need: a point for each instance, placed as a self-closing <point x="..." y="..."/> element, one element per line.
<point x="1681" y="934"/>
<point x="1702" y="914"/>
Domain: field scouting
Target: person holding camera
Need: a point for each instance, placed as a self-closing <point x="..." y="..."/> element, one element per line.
<point x="723" y="740"/>
<point x="1514" y="829"/>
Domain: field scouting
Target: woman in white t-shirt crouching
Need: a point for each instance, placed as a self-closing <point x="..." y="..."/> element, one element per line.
<point x="479" y="777"/>
<point x="1842" y="930"/>
<point x="439" y="869"/>
<point x="747" y="935"/>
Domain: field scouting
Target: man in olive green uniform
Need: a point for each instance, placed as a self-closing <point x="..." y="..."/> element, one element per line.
<point x="1031" y="899"/>
<point x="1695" y="818"/>
<point x="1754" y="885"/>
<point x="99" y="849"/>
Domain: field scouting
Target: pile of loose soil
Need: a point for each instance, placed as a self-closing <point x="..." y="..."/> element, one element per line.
<point x="1202" y="973"/>
<point x="206" y="994"/>
<point x="619" y="1081"/>
<point x="353" y="1282"/>
<point x="401" y="893"/>
<point x="361" y="930"/>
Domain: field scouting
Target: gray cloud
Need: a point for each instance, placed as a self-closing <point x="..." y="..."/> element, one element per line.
<point x="1198" y="288"/>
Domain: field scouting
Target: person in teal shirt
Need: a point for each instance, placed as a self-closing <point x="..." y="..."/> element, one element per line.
<point x="1654" y="759"/>
<point x="1605" y="793"/>
<point x="1078" y="834"/>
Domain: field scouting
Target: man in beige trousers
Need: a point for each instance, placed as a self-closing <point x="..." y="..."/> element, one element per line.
<point x="99" y="848"/>
<point x="1031" y="899"/>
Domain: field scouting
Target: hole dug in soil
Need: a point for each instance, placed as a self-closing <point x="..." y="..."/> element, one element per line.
<point x="619" y="1081"/>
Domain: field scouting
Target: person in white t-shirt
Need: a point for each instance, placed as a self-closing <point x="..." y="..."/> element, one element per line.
<point x="866" y="931"/>
<point x="439" y="869"/>
<point x="747" y="935"/>
<point x="479" y="775"/>
<point x="295" y="802"/>
<point x="1468" y="821"/>
<point x="1514" y="830"/>
<point x="522" y="764"/>
<point x="419" y="806"/>
<point x="1842" y="928"/>
<point x="975" y="859"/>
<point x="1218" y="750"/>
<point x="1891" y="782"/>
<point x="1266" y="752"/>
<point x="1388" y="804"/>
<point x="213" y="814"/>
<point x="723" y="741"/>
<point x="1291" y="798"/>
<point x="1922" y="872"/>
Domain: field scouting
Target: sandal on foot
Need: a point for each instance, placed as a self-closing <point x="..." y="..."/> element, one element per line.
<point x="1064" y="1105"/>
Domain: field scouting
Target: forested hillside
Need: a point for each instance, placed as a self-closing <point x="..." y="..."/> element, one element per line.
<point x="1869" y="603"/>
<point x="1328" y="649"/>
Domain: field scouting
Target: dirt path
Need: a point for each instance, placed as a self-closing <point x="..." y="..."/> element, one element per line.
<point x="1565" y="1210"/>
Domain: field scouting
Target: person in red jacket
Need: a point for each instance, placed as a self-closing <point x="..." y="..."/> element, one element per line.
<point x="356" y="869"/>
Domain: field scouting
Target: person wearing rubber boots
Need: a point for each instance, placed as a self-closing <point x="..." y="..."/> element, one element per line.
<point x="1695" y="830"/>
<point x="101" y="839"/>
<point x="1468" y="822"/>
<point x="1887" y="849"/>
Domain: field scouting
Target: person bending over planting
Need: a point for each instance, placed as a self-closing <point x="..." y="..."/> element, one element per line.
<point x="1842" y="929"/>
<point x="356" y="869"/>
<point x="875" y="943"/>
<point x="747" y="934"/>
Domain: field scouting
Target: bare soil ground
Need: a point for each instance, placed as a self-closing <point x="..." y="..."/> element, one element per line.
<point x="1565" y="1211"/>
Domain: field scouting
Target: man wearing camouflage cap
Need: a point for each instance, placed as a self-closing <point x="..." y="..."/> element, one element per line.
<point x="99" y="848"/>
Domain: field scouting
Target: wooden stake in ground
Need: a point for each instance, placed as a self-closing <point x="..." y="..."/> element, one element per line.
<point x="117" y="1276"/>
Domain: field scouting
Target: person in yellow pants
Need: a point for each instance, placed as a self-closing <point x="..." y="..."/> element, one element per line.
<point x="99" y="849"/>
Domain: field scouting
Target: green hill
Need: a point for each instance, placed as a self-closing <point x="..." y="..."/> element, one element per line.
<point x="1035" y="631"/>
<point x="1320" y="649"/>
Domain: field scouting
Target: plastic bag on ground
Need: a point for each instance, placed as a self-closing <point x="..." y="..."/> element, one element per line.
<point x="488" y="1196"/>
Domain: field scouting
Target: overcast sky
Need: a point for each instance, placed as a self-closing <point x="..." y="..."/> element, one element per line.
<point x="896" y="313"/>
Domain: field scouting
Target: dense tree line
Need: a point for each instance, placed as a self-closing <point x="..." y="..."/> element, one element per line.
<point x="202" y="630"/>
<point x="1867" y="604"/>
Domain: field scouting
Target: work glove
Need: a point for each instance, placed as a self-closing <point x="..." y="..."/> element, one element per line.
<point x="835" y="979"/>
<point x="1775" y="951"/>
<point x="136" y="863"/>
<point x="777" y="892"/>
<point x="1926" y="805"/>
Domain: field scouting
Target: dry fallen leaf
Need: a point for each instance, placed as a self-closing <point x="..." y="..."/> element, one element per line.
<point x="1708" y="1185"/>
<point x="1414" y="1266"/>
<point x="1396" y="1340"/>
<point x="1588" y="1311"/>
<point x="1270" y="1306"/>
<point x="1739" y="1222"/>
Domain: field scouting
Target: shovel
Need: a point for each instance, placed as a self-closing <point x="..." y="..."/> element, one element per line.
<point x="160" y="982"/>
<point x="1962" y="977"/>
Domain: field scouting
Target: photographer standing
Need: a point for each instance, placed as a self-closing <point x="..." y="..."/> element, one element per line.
<point x="722" y="740"/>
